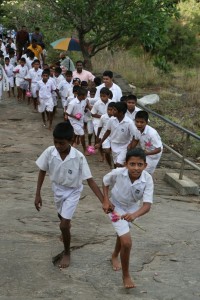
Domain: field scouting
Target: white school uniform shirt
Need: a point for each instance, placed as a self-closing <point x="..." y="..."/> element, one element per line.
<point x="74" y="107"/>
<point x="131" y="115"/>
<point x="34" y="75"/>
<point x="69" y="172"/>
<point x="121" y="133"/>
<point x="9" y="70"/>
<point x="103" y="123"/>
<point x="100" y="108"/>
<point x="149" y="140"/>
<point x="23" y="71"/>
<point x="63" y="88"/>
<point x="124" y="193"/>
<point x="13" y="60"/>
<point x="59" y="79"/>
<point x="45" y="89"/>
<point x="115" y="89"/>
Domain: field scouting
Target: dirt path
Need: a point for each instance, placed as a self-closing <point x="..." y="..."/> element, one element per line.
<point x="164" y="260"/>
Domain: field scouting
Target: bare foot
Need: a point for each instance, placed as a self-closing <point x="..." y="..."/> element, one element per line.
<point x="64" y="262"/>
<point x="128" y="282"/>
<point x="115" y="263"/>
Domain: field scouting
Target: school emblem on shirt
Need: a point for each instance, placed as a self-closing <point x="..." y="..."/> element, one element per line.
<point x="69" y="171"/>
<point x="122" y="130"/>
<point x="137" y="191"/>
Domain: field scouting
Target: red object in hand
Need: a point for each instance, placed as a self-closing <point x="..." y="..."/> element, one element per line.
<point x="115" y="217"/>
<point x="78" y="116"/>
<point x="91" y="149"/>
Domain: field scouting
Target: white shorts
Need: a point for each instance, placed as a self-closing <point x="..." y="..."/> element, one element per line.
<point x="18" y="81"/>
<point x="66" y="200"/>
<point x="152" y="162"/>
<point x="96" y="126"/>
<point x="90" y="127"/>
<point x="24" y="85"/>
<point x="11" y="81"/>
<point x="45" y="105"/>
<point x="78" y="128"/>
<point x="64" y="102"/>
<point x="122" y="226"/>
<point x="106" y="144"/>
<point x="119" y="157"/>
<point x="54" y="97"/>
<point x="33" y="90"/>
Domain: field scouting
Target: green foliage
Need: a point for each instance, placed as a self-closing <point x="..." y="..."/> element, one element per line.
<point x="161" y="63"/>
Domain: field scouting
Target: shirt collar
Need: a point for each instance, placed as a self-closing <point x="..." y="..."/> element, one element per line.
<point x="142" y="177"/>
<point x="72" y="154"/>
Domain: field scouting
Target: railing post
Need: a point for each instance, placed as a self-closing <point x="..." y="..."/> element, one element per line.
<point x="184" y="156"/>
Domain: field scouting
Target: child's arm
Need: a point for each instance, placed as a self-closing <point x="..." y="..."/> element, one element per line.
<point x="98" y="132"/>
<point x="140" y="212"/>
<point x="96" y="116"/>
<point x="107" y="205"/>
<point x="134" y="143"/>
<point x="106" y="134"/>
<point x="96" y="190"/>
<point x="152" y="152"/>
<point x="38" y="199"/>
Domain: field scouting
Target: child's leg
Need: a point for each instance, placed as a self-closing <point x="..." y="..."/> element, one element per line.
<point x="24" y="94"/>
<point x="35" y="103"/>
<point x="108" y="157"/>
<point x="43" y="118"/>
<point x="65" y="229"/>
<point x="83" y="142"/>
<point x="126" y="245"/>
<point x="50" y="119"/>
<point x="115" y="255"/>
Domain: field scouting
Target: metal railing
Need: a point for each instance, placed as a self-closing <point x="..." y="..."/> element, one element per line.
<point x="187" y="133"/>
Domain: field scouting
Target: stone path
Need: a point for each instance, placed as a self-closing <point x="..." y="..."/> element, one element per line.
<point x="165" y="259"/>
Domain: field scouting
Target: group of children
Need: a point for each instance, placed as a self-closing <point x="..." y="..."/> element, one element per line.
<point x="118" y="128"/>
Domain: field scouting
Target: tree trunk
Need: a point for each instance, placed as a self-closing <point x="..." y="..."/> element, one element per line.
<point x="86" y="50"/>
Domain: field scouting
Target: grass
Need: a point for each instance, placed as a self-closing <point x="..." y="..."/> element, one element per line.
<point x="178" y="91"/>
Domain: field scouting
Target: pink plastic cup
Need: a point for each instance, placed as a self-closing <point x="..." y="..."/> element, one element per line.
<point x="91" y="149"/>
<point x="78" y="116"/>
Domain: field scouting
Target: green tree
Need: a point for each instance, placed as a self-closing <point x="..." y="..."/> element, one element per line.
<point x="99" y="24"/>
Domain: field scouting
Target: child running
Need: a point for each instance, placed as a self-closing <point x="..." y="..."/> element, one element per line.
<point x="149" y="140"/>
<point x="44" y="90"/>
<point x="67" y="168"/>
<point x="9" y="72"/>
<point x="130" y="186"/>
<point x="132" y="109"/>
<point x="121" y="131"/>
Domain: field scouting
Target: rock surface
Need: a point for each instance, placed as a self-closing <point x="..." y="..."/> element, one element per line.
<point x="164" y="259"/>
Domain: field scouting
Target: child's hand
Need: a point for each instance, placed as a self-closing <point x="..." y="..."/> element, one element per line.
<point x="38" y="202"/>
<point x="107" y="206"/>
<point x="97" y="146"/>
<point x="128" y="217"/>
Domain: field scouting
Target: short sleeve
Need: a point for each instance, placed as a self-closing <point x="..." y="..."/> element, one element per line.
<point x="43" y="160"/>
<point x="91" y="77"/>
<point x="86" y="173"/>
<point x="53" y="86"/>
<point x="37" y="86"/>
<point x="101" y="122"/>
<point x="148" y="191"/>
<point x="110" y="178"/>
<point x="94" y="108"/>
<point x="70" y="108"/>
<point x="109" y="124"/>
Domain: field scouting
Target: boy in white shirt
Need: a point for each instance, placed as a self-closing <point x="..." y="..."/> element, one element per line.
<point x="149" y="140"/>
<point x="44" y="90"/>
<point x="9" y="72"/>
<point x="21" y="72"/>
<point x="132" y="109"/>
<point x="33" y="77"/>
<point x="67" y="168"/>
<point x="102" y="129"/>
<point x="75" y="112"/>
<point x="121" y="131"/>
<point x="91" y="100"/>
<point x="130" y="186"/>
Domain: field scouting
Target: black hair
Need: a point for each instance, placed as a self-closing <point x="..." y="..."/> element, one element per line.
<point x="7" y="58"/>
<point x="105" y="91"/>
<point x="110" y="94"/>
<point x="46" y="71"/>
<point x="97" y="81"/>
<point x="58" y="70"/>
<point x="108" y="73"/>
<point x="79" y="62"/>
<point x="120" y="107"/>
<point x="142" y="114"/>
<point x="68" y="72"/>
<point x="36" y="61"/>
<point x="82" y="92"/>
<point x="123" y="98"/>
<point x="111" y="104"/>
<point x="76" y="88"/>
<point x="137" y="152"/>
<point x="23" y="59"/>
<point x="84" y="83"/>
<point x="34" y="41"/>
<point x="37" y="29"/>
<point x="93" y="90"/>
<point x="131" y="97"/>
<point x="63" y="131"/>
<point x="31" y="54"/>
